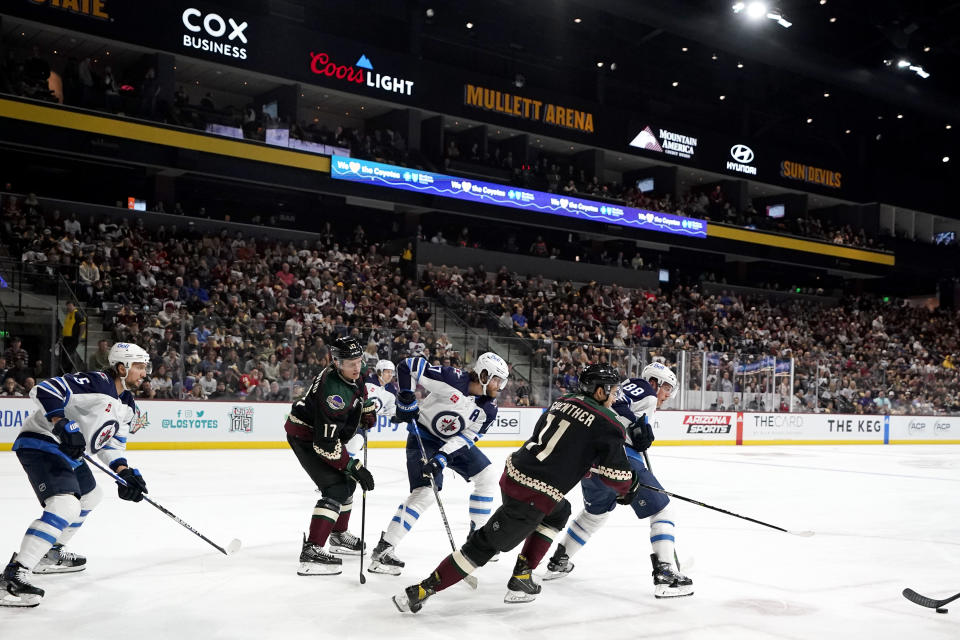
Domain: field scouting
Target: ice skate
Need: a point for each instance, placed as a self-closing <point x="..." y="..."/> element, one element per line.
<point x="521" y="587"/>
<point x="383" y="559"/>
<point x="559" y="565"/>
<point x="315" y="561"/>
<point x="346" y="544"/>
<point x="59" y="561"/>
<point x="668" y="582"/>
<point x="15" y="589"/>
<point x="412" y="598"/>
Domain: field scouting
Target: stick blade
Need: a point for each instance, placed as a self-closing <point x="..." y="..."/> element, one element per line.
<point x="923" y="601"/>
<point x="234" y="546"/>
<point x="802" y="534"/>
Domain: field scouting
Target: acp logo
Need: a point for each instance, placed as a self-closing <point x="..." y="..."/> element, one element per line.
<point x="213" y="25"/>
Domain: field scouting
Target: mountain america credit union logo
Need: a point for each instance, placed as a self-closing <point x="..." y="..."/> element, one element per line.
<point x="668" y="142"/>
<point x="742" y="156"/>
<point x="361" y="72"/>
<point x="216" y="27"/>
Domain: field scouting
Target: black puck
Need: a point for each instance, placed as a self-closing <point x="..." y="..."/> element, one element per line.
<point x="941" y="610"/>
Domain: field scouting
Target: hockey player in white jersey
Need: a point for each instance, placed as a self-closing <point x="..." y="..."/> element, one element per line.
<point x="77" y="414"/>
<point x="639" y="399"/>
<point x="382" y="391"/>
<point x="458" y="411"/>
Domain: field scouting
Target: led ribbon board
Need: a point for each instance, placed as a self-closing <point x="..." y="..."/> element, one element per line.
<point x="386" y="175"/>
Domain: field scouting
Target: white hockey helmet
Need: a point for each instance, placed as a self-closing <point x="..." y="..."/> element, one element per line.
<point x="493" y="365"/>
<point x="662" y="374"/>
<point x="384" y="365"/>
<point x="126" y="354"/>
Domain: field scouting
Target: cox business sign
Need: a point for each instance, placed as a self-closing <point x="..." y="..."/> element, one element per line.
<point x="214" y="33"/>
<point x="436" y="184"/>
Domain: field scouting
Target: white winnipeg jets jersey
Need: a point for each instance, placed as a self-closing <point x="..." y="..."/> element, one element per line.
<point x="89" y="399"/>
<point x="385" y="401"/>
<point x="449" y="413"/>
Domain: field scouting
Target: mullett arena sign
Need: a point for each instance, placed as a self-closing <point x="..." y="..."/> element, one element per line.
<point x="527" y="108"/>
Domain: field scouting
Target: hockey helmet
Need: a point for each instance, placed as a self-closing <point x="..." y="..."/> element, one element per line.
<point x="384" y="365"/>
<point x="596" y="376"/>
<point x="662" y="374"/>
<point x="490" y="364"/>
<point x="126" y="354"/>
<point x="346" y="348"/>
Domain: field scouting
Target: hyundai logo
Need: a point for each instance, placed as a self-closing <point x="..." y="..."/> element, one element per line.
<point x="741" y="153"/>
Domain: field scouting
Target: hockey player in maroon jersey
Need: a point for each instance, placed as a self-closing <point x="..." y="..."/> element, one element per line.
<point x="576" y="435"/>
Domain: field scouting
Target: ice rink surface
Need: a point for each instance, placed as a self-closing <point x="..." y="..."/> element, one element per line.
<point x="886" y="517"/>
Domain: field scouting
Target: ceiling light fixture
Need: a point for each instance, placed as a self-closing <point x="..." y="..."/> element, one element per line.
<point x="577" y="20"/>
<point x="469" y="25"/>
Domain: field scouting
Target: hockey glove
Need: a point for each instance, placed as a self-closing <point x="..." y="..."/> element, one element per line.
<point x="407" y="408"/>
<point x="72" y="442"/>
<point x="627" y="498"/>
<point x="360" y="473"/>
<point x="434" y="466"/>
<point x="368" y="415"/>
<point x="641" y="434"/>
<point x="135" y="488"/>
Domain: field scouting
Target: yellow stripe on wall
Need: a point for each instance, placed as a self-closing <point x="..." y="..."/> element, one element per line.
<point x="58" y="117"/>
<point x="808" y="246"/>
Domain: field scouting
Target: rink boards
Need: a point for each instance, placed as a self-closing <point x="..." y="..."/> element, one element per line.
<point x="171" y="424"/>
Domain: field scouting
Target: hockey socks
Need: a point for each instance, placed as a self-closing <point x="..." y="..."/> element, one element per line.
<point x="60" y="511"/>
<point x="325" y="515"/>
<point x="661" y="538"/>
<point x="481" y="507"/>
<point x="343" y="520"/>
<point x="87" y="504"/>
<point x="537" y="544"/>
<point x="407" y="514"/>
<point x="581" y="529"/>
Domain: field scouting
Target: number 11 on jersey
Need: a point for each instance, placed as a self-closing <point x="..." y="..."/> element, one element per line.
<point x="556" y="432"/>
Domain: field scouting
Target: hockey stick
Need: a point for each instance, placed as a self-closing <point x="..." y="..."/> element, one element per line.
<point x="363" y="514"/>
<point x="234" y="545"/>
<point x="470" y="580"/>
<point x="924" y="601"/>
<point x="802" y="534"/>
